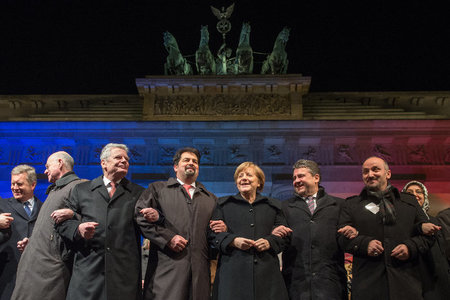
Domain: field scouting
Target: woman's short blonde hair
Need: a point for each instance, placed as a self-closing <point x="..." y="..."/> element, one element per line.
<point x="259" y="173"/>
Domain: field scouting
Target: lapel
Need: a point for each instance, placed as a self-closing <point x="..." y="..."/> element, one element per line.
<point x="99" y="187"/>
<point x="120" y="190"/>
<point x="36" y="209"/>
<point x="18" y="207"/>
<point x="299" y="203"/>
<point x="324" y="202"/>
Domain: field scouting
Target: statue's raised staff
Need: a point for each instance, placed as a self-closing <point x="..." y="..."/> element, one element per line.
<point x="244" y="53"/>
<point x="204" y="59"/>
<point x="277" y="62"/>
<point x="175" y="63"/>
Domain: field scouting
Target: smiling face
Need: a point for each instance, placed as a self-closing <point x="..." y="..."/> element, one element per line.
<point x="187" y="168"/>
<point x="417" y="192"/>
<point x="115" y="167"/>
<point x="305" y="184"/>
<point x="53" y="169"/>
<point x="247" y="181"/>
<point x="22" y="190"/>
<point x="375" y="174"/>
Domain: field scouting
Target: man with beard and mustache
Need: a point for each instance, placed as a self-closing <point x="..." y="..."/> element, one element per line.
<point x="389" y="242"/>
<point x="105" y="237"/>
<point x="313" y="264"/>
<point x="178" y="267"/>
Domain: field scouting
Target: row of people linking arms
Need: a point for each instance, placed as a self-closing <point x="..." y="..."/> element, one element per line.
<point x="87" y="236"/>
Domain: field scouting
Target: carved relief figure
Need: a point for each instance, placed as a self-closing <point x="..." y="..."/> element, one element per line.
<point x="418" y="155"/>
<point x="344" y="154"/>
<point x="204" y="60"/>
<point x="277" y="62"/>
<point x="381" y="151"/>
<point x="244" y="53"/>
<point x="175" y="64"/>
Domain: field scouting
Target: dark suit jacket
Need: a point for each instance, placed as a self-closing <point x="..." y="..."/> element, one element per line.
<point x="21" y="227"/>
<point x="108" y="266"/>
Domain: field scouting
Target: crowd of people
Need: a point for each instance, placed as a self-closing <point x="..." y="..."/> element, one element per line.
<point x="84" y="240"/>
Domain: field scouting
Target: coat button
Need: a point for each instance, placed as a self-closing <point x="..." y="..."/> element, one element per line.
<point x="255" y="260"/>
<point x="251" y="225"/>
<point x="108" y="249"/>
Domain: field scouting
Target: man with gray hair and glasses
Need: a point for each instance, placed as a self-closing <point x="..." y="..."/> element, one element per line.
<point x="313" y="264"/>
<point x="106" y="238"/>
<point x="24" y="208"/>
<point x="46" y="263"/>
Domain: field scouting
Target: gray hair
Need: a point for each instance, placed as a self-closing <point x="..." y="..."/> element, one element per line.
<point x="312" y="166"/>
<point x="66" y="158"/>
<point x="29" y="170"/>
<point x="106" y="151"/>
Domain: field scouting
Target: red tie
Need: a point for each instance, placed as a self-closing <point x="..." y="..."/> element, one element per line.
<point x="113" y="189"/>
<point x="310" y="202"/>
<point x="187" y="187"/>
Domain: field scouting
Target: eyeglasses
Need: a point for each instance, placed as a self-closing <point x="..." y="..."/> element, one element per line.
<point x="418" y="192"/>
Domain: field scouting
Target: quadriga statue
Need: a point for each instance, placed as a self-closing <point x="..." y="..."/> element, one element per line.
<point x="243" y="63"/>
<point x="175" y="63"/>
<point x="204" y="59"/>
<point x="277" y="62"/>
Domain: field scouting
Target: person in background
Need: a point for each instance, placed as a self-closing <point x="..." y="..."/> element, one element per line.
<point x="434" y="266"/>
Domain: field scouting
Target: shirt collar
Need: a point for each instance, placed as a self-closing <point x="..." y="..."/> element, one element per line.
<point x="107" y="182"/>
<point x="182" y="183"/>
<point x="314" y="197"/>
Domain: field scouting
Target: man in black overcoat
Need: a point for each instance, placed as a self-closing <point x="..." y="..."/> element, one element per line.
<point x="313" y="264"/>
<point x="107" y="263"/>
<point x="385" y="252"/>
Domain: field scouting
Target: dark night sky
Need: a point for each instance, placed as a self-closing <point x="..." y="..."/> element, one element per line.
<point x="95" y="46"/>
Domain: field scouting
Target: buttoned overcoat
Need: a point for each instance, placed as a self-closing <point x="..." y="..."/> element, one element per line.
<point x="313" y="265"/>
<point x="106" y="267"/>
<point x="248" y="274"/>
<point x="44" y="269"/>
<point x="383" y="276"/>
<point x="170" y="275"/>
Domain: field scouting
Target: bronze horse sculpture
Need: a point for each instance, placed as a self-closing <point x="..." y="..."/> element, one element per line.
<point x="277" y="62"/>
<point x="204" y="59"/>
<point x="175" y="64"/>
<point x="243" y="63"/>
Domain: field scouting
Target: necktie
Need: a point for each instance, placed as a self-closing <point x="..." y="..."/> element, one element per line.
<point x="310" y="202"/>
<point x="187" y="187"/>
<point x="113" y="189"/>
<point x="26" y="206"/>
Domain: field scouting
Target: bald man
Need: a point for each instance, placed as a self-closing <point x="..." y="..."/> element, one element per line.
<point x="389" y="242"/>
<point x="44" y="269"/>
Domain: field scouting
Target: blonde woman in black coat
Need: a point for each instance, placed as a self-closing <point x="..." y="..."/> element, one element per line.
<point x="248" y="266"/>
